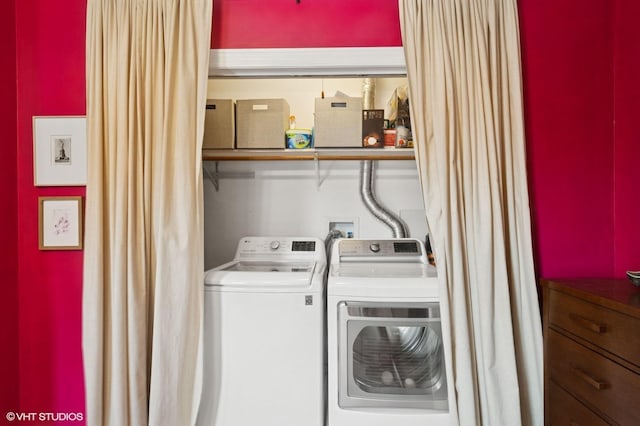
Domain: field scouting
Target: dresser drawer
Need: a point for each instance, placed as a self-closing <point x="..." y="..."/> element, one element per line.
<point x="610" y="330"/>
<point x="565" y="410"/>
<point x="594" y="379"/>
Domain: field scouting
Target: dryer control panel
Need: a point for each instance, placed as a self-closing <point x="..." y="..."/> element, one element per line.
<point x="381" y="248"/>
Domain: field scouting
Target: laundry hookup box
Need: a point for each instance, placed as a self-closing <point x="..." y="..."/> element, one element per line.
<point x="338" y="122"/>
<point x="219" y="125"/>
<point x="261" y="123"/>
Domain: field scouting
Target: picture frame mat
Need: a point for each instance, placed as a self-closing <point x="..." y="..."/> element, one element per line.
<point x="60" y="223"/>
<point x="60" y="151"/>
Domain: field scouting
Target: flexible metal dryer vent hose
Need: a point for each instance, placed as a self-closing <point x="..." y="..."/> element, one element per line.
<point x="369" y="199"/>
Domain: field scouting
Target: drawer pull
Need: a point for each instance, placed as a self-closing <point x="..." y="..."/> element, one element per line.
<point x="595" y="383"/>
<point x="588" y="324"/>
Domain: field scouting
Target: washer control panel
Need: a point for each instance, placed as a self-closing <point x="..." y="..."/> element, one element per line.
<point x="268" y="245"/>
<point x="381" y="248"/>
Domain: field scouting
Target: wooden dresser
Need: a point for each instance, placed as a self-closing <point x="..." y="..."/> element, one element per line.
<point x="591" y="352"/>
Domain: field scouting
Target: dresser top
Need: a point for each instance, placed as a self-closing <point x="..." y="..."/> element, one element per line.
<point x="618" y="294"/>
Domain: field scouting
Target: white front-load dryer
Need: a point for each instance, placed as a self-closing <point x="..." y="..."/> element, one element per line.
<point x="264" y="336"/>
<point x="386" y="348"/>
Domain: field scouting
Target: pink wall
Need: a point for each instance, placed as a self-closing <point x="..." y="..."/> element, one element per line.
<point x="309" y="23"/>
<point x="50" y="68"/>
<point x="9" y="378"/>
<point x="568" y="81"/>
<point x="582" y="101"/>
<point x="627" y="137"/>
<point x="584" y="202"/>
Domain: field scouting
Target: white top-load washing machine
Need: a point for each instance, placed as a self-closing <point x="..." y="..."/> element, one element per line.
<point x="386" y="352"/>
<point x="264" y="335"/>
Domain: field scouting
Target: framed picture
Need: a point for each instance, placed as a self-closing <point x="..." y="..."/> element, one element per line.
<point x="60" y="151"/>
<point x="60" y="223"/>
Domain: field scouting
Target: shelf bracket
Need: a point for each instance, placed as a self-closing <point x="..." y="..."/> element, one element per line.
<point x="215" y="177"/>
<point x="316" y="163"/>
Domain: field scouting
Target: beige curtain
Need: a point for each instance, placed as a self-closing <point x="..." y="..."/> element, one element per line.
<point x="147" y="64"/>
<point x="463" y="66"/>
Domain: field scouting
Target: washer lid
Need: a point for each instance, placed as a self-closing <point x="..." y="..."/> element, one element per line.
<point x="269" y="266"/>
<point x="262" y="275"/>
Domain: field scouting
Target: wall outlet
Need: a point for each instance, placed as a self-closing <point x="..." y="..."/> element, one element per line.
<point x="347" y="226"/>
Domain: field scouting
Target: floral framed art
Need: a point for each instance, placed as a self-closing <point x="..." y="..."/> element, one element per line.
<point x="60" y="223"/>
<point x="60" y="151"/>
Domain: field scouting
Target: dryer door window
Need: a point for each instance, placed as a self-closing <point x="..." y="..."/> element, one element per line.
<point x="392" y="356"/>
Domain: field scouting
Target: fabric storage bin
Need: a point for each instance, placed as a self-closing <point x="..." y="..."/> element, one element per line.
<point x="219" y="127"/>
<point x="338" y="122"/>
<point x="261" y="123"/>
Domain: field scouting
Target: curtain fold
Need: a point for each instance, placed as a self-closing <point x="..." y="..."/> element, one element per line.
<point x="147" y="64"/>
<point x="464" y="73"/>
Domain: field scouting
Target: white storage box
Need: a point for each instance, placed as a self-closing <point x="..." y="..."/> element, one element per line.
<point x="261" y="123"/>
<point x="338" y="122"/>
<point x="219" y="127"/>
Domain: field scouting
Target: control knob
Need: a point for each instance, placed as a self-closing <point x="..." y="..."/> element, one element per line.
<point x="274" y="245"/>
<point x="374" y="247"/>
